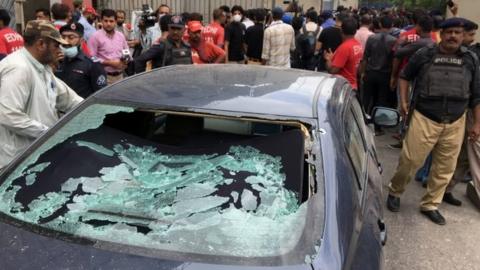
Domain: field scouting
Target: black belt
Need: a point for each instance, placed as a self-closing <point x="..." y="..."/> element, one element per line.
<point x="116" y="73"/>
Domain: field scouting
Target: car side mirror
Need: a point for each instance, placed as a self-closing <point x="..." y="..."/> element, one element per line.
<point x="385" y="117"/>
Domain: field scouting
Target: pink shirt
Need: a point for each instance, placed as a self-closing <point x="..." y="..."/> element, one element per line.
<point x="362" y="35"/>
<point x="105" y="47"/>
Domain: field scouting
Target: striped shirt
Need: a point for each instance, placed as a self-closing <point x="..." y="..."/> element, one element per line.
<point x="278" y="42"/>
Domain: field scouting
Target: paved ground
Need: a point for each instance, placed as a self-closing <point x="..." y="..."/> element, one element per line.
<point x="414" y="242"/>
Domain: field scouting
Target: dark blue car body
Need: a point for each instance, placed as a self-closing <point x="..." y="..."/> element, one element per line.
<point x="353" y="228"/>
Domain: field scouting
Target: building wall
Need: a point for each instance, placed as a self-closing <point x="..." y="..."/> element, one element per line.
<point x="468" y="9"/>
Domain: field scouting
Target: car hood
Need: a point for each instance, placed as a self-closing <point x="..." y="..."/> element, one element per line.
<point x="23" y="249"/>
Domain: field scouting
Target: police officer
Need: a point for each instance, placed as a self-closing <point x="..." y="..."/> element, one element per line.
<point x="84" y="75"/>
<point x="171" y="51"/>
<point x="469" y="158"/>
<point x="446" y="82"/>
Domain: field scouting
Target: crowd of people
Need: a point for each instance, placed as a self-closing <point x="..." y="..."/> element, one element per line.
<point x="417" y="61"/>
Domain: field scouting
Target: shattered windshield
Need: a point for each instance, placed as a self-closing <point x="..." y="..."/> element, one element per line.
<point x="196" y="192"/>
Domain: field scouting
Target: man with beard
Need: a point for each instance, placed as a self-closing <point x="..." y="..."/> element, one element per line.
<point x="447" y="82"/>
<point x="78" y="71"/>
<point x="469" y="158"/>
<point x="87" y="21"/>
<point x="108" y="46"/>
<point x="171" y="51"/>
<point x="31" y="97"/>
<point x="157" y="31"/>
<point x="203" y="52"/>
<point x="121" y="26"/>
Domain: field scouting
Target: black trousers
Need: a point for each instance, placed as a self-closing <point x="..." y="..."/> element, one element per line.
<point x="376" y="91"/>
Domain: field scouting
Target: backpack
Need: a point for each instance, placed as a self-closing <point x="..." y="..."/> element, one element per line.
<point x="307" y="42"/>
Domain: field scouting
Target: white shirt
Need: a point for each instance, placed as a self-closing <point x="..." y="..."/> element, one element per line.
<point x="248" y="23"/>
<point x="362" y="35"/>
<point x="30" y="99"/>
<point x="312" y="27"/>
<point x="278" y="42"/>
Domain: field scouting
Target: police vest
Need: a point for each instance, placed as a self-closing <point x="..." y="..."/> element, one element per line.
<point x="177" y="56"/>
<point x="476" y="49"/>
<point x="446" y="77"/>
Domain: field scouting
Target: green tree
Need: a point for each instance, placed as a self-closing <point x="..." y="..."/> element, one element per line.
<point x="428" y="4"/>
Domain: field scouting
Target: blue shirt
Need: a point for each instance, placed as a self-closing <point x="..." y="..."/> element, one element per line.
<point x="88" y="29"/>
<point x="328" y="23"/>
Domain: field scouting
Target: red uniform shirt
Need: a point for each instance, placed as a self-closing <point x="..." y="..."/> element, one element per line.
<point x="214" y="33"/>
<point x="411" y="36"/>
<point x="206" y="53"/>
<point x="10" y="41"/>
<point x="347" y="58"/>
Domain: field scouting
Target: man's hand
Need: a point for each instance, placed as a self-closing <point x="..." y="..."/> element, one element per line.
<point x="117" y="64"/>
<point x="474" y="132"/>
<point x="393" y="84"/>
<point x="59" y="57"/>
<point x="363" y="77"/>
<point x="404" y="110"/>
<point x="328" y="55"/>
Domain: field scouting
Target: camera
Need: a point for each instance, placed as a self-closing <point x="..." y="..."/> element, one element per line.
<point x="149" y="18"/>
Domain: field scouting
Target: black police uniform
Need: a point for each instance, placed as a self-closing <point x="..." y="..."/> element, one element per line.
<point x="84" y="75"/>
<point x="445" y="85"/>
<point x="476" y="49"/>
<point x="164" y="54"/>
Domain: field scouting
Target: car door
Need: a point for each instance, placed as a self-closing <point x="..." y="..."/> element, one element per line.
<point x="365" y="249"/>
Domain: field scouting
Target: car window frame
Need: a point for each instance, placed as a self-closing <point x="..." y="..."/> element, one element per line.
<point x="315" y="206"/>
<point x="359" y="123"/>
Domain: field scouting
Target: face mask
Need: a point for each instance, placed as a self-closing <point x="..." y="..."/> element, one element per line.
<point x="70" y="52"/>
<point x="237" y="18"/>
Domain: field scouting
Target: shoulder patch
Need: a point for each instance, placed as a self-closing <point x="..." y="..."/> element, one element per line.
<point x="101" y="80"/>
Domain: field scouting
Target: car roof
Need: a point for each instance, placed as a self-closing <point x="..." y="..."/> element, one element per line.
<point x="233" y="88"/>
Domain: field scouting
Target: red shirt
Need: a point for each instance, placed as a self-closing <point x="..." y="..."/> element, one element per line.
<point x="411" y="36"/>
<point x="206" y="53"/>
<point x="214" y="33"/>
<point x="10" y="41"/>
<point x="347" y="58"/>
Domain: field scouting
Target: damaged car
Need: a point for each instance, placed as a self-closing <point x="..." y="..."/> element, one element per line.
<point x="201" y="167"/>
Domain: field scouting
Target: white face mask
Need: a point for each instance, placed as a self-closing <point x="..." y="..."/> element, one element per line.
<point x="70" y="52"/>
<point x="237" y="18"/>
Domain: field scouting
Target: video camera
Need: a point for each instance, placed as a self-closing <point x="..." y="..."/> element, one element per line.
<point x="148" y="17"/>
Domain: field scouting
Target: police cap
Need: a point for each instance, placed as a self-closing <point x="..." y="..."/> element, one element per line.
<point x="469" y="25"/>
<point x="72" y="27"/>
<point x="453" y="22"/>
